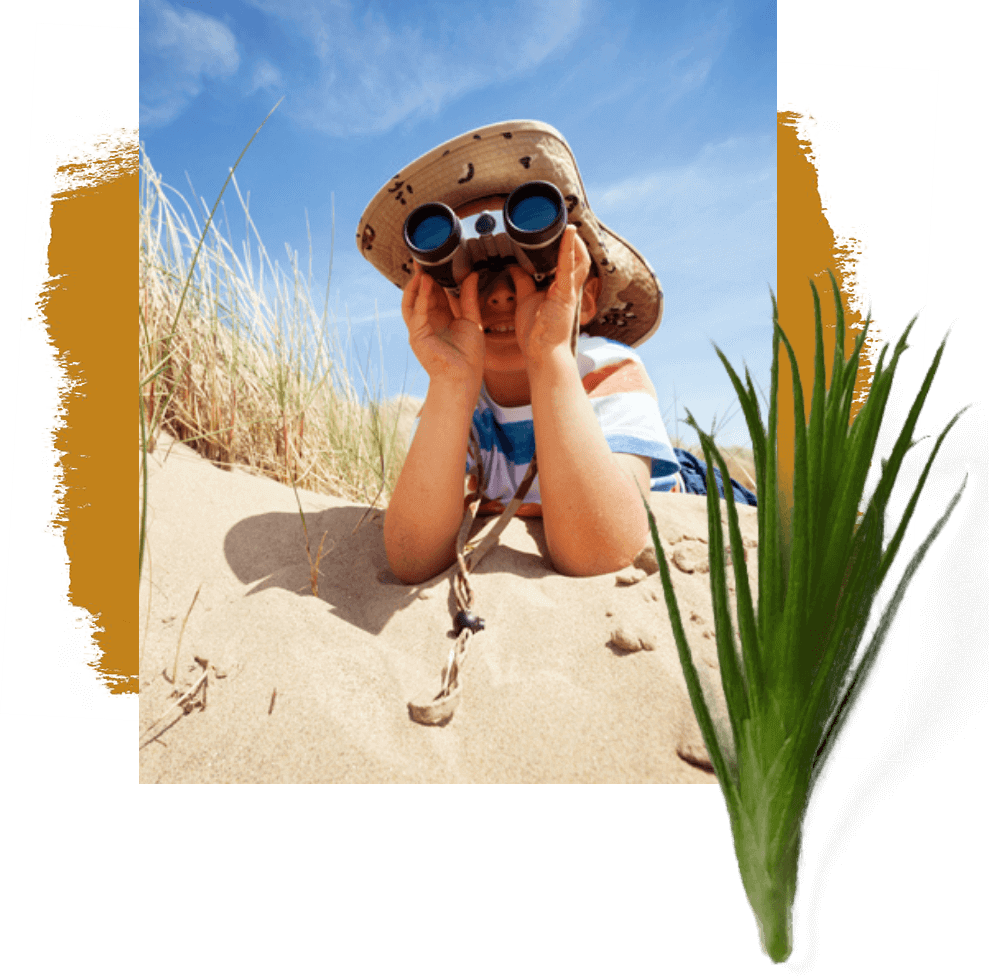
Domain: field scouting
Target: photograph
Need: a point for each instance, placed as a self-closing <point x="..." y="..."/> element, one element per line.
<point x="450" y="248"/>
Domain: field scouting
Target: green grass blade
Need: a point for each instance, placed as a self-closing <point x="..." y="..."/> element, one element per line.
<point x="800" y="637"/>
<point x="828" y="438"/>
<point x="834" y="424"/>
<point x="772" y="581"/>
<point x="733" y="681"/>
<point x="798" y="585"/>
<point x="836" y="415"/>
<point x="750" y="409"/>
<point x="859" y="453"/>
<point x="752" y="666"/>
<point x="905" y="438"/>
<point x="894" y="544"/>
<point x="816" y="459"/>
<point x="844" y="627"/>
<point x="758" y="431"/>
<point x="871" y="652"/>
<point x="722" y="769"/>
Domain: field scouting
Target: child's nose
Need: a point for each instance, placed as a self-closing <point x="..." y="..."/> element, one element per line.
<point x="500" y="294"/>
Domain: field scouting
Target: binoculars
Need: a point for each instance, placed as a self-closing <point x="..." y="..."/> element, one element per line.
<point x="534" y="216"/>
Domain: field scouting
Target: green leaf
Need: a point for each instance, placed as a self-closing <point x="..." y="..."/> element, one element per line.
<point x="790" y="686"/>
<point x="726" y="777"/>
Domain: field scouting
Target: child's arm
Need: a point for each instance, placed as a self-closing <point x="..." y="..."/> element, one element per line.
<point x="591" y="497"/>
<point x="426" y="509"/>
<point x="591" y="500"/>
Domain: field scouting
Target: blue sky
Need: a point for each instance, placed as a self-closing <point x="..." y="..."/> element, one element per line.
<point x="669" y="107"/>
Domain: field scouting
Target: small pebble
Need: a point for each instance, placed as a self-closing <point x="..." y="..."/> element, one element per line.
<point x="646" y="560"/>
<point x="690" y="557"/>
<point x="632" y="640"/>
<point x="629" y="576"/>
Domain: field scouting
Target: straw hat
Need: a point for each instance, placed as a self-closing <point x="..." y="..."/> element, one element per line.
<point x="494" y="160"/>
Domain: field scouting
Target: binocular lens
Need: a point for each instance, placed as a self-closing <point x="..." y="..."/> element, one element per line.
<point x="431" y="232"/>
<point x="534" y="213"/>
<point x="435" y="239"/>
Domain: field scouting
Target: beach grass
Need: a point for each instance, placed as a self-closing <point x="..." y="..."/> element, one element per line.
<point x="238" y="360"/>
<point x="801" y="658"/>
<point x="242" y="363"/>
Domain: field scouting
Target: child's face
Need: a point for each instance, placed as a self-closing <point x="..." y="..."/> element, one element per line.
<point x="501" y="351"/>
<point x="502" y="355"/>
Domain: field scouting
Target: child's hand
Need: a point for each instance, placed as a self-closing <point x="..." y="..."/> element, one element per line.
<point x="445" y="333"/>
<point x="544" y="321"/>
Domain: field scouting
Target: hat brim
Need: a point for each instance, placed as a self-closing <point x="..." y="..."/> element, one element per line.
<point x="491" y="161"/>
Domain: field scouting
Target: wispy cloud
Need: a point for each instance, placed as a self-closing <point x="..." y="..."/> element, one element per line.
<point x="180" y="49"/>
<point x="722" y="178"/>
<point x="687" y="68"/>
<point x="265" y="76"/>
<point x="366" y="69"/>
<point x="707" y="225"/>
<point x="351" y="68"/>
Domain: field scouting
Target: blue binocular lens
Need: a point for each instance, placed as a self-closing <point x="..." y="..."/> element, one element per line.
<point x="431" y="232"/>
<point x="534" y="213"/>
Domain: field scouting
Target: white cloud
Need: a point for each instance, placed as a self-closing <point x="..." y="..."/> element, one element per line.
<point x="735" y="170"/>
<point x="707" y="225"/>
<point x="265" y="75"/>
<point x="373" y="69"/>
<point x="690" y="66"/>
<point x="358" y="69"/>
<point x="179" y="48"/>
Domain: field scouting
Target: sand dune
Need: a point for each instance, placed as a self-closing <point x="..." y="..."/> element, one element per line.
<point x="302" y="688"/>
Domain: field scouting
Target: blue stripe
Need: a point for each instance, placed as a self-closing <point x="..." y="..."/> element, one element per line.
<point x="663" y="461"/>
<point x="514" y="440"/>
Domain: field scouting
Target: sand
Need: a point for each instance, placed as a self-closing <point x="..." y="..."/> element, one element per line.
<point x="314" y="689"/>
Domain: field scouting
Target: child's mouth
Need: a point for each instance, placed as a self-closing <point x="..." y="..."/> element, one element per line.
<point x="500" y="329"/>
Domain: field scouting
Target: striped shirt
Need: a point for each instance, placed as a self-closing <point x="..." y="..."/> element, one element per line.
<point x="624" y="402"/>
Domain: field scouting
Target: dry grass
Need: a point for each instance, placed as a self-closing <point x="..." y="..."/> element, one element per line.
<point x="243" y="366"/>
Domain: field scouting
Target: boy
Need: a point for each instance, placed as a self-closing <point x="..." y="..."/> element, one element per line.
<point x="500" y="361"/>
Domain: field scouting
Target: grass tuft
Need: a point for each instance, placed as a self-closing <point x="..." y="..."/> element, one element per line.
<point x="239" y="362"/>
<point x="822" y="560"/>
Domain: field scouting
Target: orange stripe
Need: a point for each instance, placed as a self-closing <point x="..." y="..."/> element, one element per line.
<point x="591" y="380"/>
<point x="616" y="379"/>
<point x="497" y="507"/>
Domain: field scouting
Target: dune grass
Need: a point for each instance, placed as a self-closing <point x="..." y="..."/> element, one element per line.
<point x="822" y="561"/>
<point x="239" y="361"/>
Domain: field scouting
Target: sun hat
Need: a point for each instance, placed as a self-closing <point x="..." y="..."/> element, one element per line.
<point x="493" y="160"/>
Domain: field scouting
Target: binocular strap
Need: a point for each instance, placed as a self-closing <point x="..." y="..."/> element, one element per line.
<point x="439" y="710"/>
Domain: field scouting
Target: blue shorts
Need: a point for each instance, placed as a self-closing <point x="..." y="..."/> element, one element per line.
<point x="694" y="475"/>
